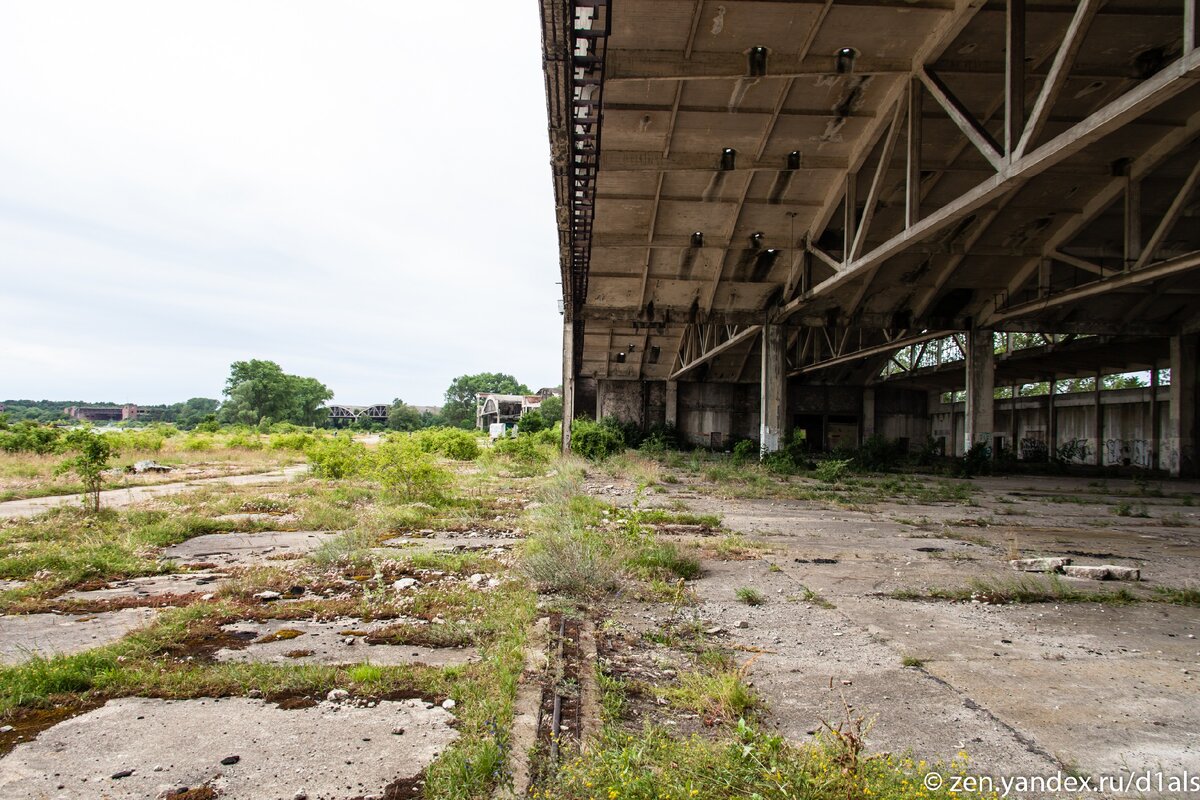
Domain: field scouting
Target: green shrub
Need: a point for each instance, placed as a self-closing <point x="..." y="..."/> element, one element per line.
<point x="977" y="461"/>
<point x="531" y="422"/>
<point x="453" y="443"/>
<point x="574" y="562"/>
<point x="879" y="454"/>
<point x="663" y="560"/>
<point x="745" y="450"/>
<point x="144" y="441"/>
<point x="296" y="440"/>
<point x="30" y="437"/>
<point x="594" y="441"/>
<point x="406" y="470"/>
<point x="551" y="436"/>
<point x="198" y="442"/>
<point x="659" y="439"/>
<point x="630" y="432"/>
<point x="92" y="452"/>
<point x="244" y="441"/>
<point x="832" y="470"/>
<point x="337" y="457"/>
<point x="526" y="452"/>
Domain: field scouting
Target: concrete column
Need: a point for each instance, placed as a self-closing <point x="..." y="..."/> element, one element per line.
<point x="1013" y="430"/>
<point x="1099" y="421"/>
<point x="868" y="414"/>
<point x="1051" y="422"/>
<point x="600" y="393"/>
<point x="568" y="398"/>
<point x="1155" y="422"/>
<point x="1181" y="451"/>
<point x="773" y="389"/>
<point x="672" y="409"/>
<point x="981" y="389"/>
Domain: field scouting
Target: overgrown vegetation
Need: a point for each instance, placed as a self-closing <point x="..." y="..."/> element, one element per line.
<point x="92" y="453"/>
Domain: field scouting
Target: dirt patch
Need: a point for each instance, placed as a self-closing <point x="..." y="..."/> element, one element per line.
<point x="335" y="642"/>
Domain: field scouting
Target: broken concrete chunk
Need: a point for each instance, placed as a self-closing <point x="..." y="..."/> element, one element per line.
<point x="1039" y="564"/>
<point x="1106" y="572"/>
<point x="337" y="695"/>
<point x="140" y="467"/>
<point x="405" y="583"/>
<point x="268" y="595"/>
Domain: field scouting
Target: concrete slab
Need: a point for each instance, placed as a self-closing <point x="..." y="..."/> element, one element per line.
<point x="245" y="549"/>
<point x="151" y="586"/>
<point x="115" y="498"/>
<point x="160" y="745"/>
<point x="26" y="635"/>
<point x="327" y="643"/>
<point x="812" y="657"/>
<point x="1095" y="687"/>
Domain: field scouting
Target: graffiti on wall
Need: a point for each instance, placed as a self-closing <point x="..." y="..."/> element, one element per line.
<point x="1034" y="450"/>
<point x="1128" y="452"/>
<point x="1074" y="450"/>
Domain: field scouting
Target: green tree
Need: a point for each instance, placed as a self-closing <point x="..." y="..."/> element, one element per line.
<point x="551" y="409"/>
<point x="531" y="422"/>
<point x="92" y="452"/>
<point x="191" y="413"/>
<point x="462" y="396"/>
<point x="260" y="390"/>
<point x="403" y="417"/>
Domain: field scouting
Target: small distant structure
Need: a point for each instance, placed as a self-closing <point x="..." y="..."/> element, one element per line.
<point x="493" y="408"/>
<point x="342" y="415"/>
<point x="129" y="411"/>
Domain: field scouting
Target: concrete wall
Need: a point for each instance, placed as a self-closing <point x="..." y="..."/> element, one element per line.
<point x="902" y="414"/>
<point x="718" y="414"/>
<point x="1125" y="439"/>
<point x="640" y="402"/>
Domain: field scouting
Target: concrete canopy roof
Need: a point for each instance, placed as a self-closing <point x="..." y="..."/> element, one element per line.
<point x="674" y="248"/>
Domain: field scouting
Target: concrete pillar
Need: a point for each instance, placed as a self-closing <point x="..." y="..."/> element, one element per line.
<point x="773" y="389"/>
<point x="601" y="391"/>
<point x="1153" y="461"/>
<point x="868" y="413"/>
<point x="1052" y="422"/>
<point x="1013" y="430"/>
<point x="672" y="406"/>
<point x="1180" y="449"/>
<point x="1099" y="421"/>
<point x="568" y="397"/>
<point x="981" y="389"/>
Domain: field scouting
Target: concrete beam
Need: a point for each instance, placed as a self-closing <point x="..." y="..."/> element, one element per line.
<point x="622" y="66"/>
<point x="1176" y="77"/>
<point x="612" y="161"/>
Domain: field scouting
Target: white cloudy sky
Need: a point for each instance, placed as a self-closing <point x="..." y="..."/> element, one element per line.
<point x="357" y="190"/>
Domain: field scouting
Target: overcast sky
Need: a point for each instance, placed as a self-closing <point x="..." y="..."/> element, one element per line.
<point x="359" y="191"/>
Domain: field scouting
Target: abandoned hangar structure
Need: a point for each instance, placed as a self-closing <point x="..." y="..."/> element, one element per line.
<point x="828" y="214"/>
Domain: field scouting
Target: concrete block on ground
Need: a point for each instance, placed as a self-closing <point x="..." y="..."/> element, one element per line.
<point x="1039" y="564"/>
<point x="1105" y="572"/>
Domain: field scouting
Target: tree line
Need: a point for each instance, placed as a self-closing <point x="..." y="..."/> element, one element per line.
<point x="258" y="392"/>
